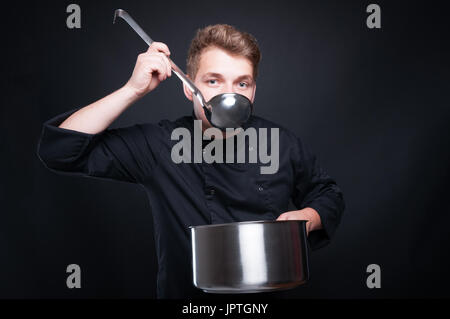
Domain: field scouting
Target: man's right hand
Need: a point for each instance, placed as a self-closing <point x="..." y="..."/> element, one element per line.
<point x="152" y="67"/>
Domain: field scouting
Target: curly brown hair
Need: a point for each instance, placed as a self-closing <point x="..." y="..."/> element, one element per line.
<point x="225" y="37"/>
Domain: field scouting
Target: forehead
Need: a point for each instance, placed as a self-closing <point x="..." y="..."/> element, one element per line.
<point x="216" y="60"/>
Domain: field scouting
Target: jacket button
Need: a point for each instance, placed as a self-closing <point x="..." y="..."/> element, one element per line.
<point x="212" y="191"/>
<point x="260" y="188"/>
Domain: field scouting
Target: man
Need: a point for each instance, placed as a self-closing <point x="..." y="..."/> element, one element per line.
<point x="221" y="59"/>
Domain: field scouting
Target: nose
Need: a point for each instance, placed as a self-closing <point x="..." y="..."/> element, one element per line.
<point x="229" y="88"/>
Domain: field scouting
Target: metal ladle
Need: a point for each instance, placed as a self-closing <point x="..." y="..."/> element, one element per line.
<point x="228" y="110"/>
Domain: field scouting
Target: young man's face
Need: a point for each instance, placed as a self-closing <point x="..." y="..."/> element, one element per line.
<point x="220" y="72"/>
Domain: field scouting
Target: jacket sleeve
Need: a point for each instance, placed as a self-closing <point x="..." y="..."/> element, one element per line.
<point x="125" y="154"/>
<point x="316" y="189"/>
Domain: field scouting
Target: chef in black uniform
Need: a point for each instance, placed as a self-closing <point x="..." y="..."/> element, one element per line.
<point x="221" y="59"/>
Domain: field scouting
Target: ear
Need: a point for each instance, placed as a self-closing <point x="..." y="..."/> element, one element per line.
<point x="187" y="92"/>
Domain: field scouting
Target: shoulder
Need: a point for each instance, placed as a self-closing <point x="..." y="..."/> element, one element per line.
<point x="291" y="144"/>
<point x="184" y="121"/>
<point x="284" y="133"/>
<point x="166" y="126"/>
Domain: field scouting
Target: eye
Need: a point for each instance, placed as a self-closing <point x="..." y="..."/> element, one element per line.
<point x="243" y="84"/>
<point x="212" y="81"/>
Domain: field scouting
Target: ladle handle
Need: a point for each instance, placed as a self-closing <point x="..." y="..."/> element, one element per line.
<point x="133" y="24"/>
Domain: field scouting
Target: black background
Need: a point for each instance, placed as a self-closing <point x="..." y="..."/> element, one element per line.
<point x="372" y="104"/>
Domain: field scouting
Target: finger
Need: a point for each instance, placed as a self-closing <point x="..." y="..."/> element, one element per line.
<point x="161" y="58"/>
<point x="282" y="217"/>
<point x="159" y="47"/>
<point x="156" y="58"/>
<point x="156" y="65"/>
<point x="167" y="63"/>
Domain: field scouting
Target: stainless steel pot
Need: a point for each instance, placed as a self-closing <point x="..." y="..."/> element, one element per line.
<point x="248" y="257"/>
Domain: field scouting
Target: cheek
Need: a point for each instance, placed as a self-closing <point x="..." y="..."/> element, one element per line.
<point x="207" y="92"/>
<point x="249" y="94"/>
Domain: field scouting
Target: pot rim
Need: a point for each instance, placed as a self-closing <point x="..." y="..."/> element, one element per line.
<point x="249" y="222"/>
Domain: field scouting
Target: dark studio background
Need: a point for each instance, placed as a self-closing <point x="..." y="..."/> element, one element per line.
<point x="372" y="104"/>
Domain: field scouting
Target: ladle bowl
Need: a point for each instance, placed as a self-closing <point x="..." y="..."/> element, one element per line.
<point x="229" y="110"/>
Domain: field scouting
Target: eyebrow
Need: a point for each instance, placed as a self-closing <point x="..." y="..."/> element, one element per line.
<point x="218" y="75"/>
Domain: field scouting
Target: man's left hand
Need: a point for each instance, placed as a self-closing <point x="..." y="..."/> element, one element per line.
<point x="307" y="213"/>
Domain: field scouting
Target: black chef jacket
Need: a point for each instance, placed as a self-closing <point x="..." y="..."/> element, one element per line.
<point x="183" y="195"/>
